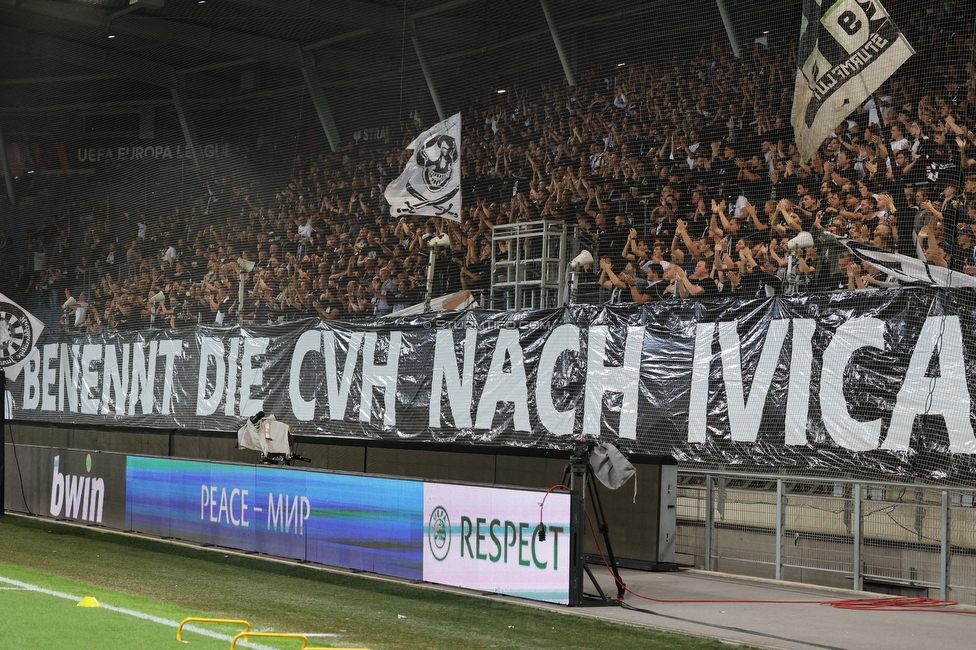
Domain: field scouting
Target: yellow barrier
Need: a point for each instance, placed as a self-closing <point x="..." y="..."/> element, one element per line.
<point x="231" y="621"/>
<point x="283" y="635"/>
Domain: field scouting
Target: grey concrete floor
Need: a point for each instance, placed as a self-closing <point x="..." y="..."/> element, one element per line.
<point x="772" y="625"/>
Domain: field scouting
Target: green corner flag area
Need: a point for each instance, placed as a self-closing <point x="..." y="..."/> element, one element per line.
<point x="146" y="587"/>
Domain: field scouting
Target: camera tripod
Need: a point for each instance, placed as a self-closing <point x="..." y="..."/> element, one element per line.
<point x="578" y="469"/>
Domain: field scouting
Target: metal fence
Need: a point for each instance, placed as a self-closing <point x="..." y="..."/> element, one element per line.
<point x="883" y="537"/>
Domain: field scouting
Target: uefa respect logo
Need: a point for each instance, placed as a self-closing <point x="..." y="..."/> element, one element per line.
<point x="439" y="533"/>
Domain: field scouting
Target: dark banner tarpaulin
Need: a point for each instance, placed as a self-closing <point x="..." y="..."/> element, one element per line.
<point x="874" y="384"/>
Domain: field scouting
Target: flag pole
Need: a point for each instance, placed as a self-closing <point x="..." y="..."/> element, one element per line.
<point x="3" y="442"/>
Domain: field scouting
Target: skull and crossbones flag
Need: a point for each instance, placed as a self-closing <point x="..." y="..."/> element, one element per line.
<point x="430" y="184"/>
<point x="848" y="48"/>
<point x="19" y="331"/>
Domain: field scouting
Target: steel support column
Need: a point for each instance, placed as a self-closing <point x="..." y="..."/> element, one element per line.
<point x="186" y="124"/>
<point x="428" y="77"/>
<point x="944" y="555"/>
<point x="314" y="85"/>
<point x="3" y="440"/>
<point x="858" y="537"/>
<point x="709" y="521"/>
<point x="729" y="29"/>
<point x="567" y="70"/>
<point x="6" y="179"/>
<point x="780" y="492"/>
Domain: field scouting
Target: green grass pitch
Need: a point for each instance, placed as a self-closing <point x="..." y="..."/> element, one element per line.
<point x="166" y="582"/>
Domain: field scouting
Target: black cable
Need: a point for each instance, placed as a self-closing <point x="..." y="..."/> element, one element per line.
<point x="937" y="348"/>
<point x="20" y="474"/>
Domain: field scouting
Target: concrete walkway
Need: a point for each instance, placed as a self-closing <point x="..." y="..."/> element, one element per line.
<point x="772" y="625"/>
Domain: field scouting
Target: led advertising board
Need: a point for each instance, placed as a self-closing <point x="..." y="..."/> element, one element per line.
<point x="488" y="539"/>
<point x="358" y="522"/>
<point x="85" y="487"/>
<point x="475" y="537"/>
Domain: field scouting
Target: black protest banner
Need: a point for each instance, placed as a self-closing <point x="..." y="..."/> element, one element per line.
<point x="868" y="384"/>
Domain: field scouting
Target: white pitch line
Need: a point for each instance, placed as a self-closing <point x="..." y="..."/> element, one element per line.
<point x="17" y="584"/>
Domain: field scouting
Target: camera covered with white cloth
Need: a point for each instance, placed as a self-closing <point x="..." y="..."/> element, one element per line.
<point x="264" y="433"/>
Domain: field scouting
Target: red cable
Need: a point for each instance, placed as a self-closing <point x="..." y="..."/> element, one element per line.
<point x="903" y="604"/>
<point x="548" y="492"/>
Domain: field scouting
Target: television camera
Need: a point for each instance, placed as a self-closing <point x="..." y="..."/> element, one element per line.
<point x="264" y="433"/>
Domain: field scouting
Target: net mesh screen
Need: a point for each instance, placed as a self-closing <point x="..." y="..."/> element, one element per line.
<point x="298" y="120"/>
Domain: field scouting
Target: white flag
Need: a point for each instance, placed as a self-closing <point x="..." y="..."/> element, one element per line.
<point x="848" y="48"/>
<point x="19" y="332"/>
<point x="430" y="184"/>
<point x="914" y="271"/>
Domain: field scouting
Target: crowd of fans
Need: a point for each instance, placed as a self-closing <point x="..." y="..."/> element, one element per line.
<point x="680" y="175"/>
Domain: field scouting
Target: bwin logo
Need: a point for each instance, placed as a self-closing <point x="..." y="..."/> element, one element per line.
<point x="81" y="497"/>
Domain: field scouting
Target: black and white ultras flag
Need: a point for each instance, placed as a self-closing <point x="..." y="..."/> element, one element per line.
<point x="430" y="184"/>
<point x="848" y="48"/>
<point x="19" y="331"/>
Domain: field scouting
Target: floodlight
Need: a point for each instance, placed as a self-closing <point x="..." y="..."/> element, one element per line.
<point x="584" y="258"/>
<point x="245" y="265"/>
<point x="441" y="241"/>
<point x="803" y="240"/>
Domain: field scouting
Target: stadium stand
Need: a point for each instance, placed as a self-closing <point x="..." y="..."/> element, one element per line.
<point x="680" y="174"/>
<point x="662" y="143"/>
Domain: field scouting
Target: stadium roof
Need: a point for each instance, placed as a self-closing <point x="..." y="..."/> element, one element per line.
<point x="355" y="57"/>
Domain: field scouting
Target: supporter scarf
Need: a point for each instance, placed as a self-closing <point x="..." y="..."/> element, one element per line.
<point x="430" y="184"/>
<point x="848" y="48"/>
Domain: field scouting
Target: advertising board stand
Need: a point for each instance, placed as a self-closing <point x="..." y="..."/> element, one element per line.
<point x="577" y="556"/>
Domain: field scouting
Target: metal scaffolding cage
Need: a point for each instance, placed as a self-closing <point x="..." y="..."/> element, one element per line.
<point x="528" y="265"/>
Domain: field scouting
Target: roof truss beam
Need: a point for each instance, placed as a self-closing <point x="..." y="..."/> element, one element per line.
<point x="348" y="13"/>
<point x="106" y="61"/>
<point x="221" y="41"/>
